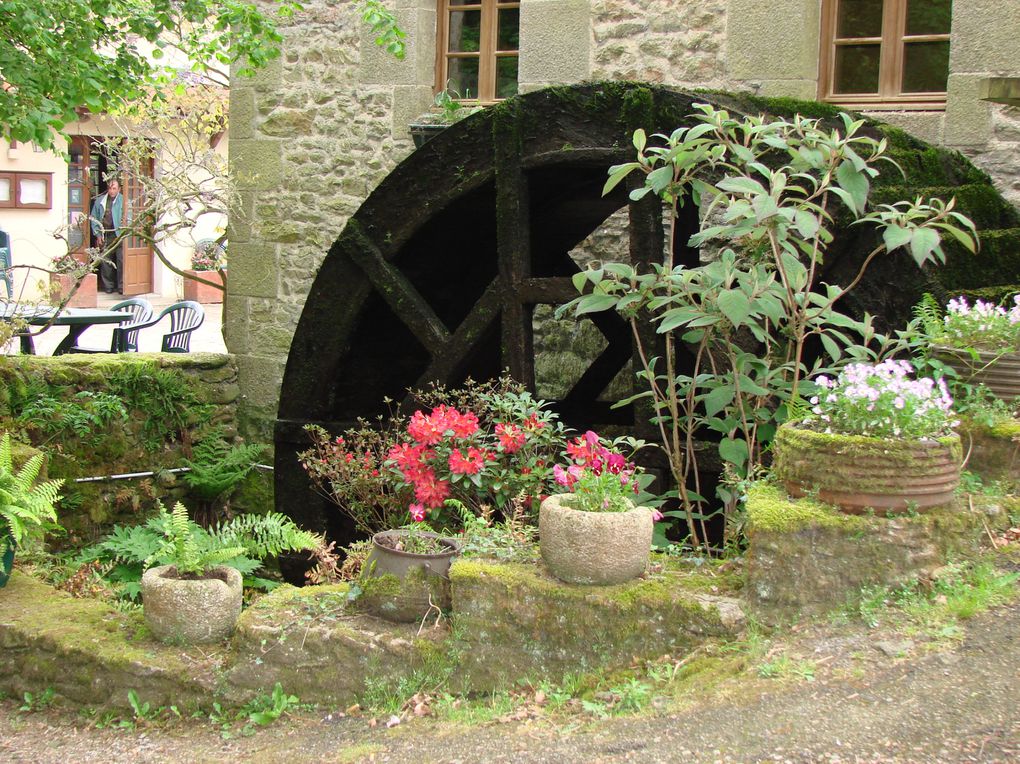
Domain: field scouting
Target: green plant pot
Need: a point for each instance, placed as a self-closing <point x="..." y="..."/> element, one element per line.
<point x="403" y="586"/>
<point x="6" y="563"/>
<point x="999" y="372"/>
<point x="858" y="473"/>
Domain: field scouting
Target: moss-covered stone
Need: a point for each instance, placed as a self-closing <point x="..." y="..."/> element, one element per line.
<point x="320" y="648"/>
<point x="515" y="621"/>
<point x="994" y="450"/>
<point x="804" y="558"/>
<point x="91" y="654"/>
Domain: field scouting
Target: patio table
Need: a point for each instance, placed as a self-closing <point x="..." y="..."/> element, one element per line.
<point x="77" y="320"/>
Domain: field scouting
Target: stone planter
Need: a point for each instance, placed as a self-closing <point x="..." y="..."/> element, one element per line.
<point x="999" y="372"/>
<point x="423" y="133"/>
<point x="61" y="285"/>
<point x="595" y="548"/>
<point x="203" y="293"/>
<point x="191" y="611"/>
<point x="858" y="473"/>
<point x="403" y="586"/>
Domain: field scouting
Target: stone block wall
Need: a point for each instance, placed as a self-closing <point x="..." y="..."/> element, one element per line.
<point x="316" y="131"/>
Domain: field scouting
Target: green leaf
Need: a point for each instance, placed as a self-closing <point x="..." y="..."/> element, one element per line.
<point x="922" y="242"/>
<point x="895" y="236"/>
<point x="855" y="183"/>
<point x="734" y="451"/>
<point x="594" y="303"/>
<point x="742" y="185"/>
<point x="831" y="347"/>
<point x="718" y="399"/>
<point x="735" y="305"/>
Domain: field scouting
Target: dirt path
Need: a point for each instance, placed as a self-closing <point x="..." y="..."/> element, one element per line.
<point x="959" y="704"/>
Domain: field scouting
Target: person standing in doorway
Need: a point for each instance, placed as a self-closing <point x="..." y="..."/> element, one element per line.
<point x="107" y="215"/>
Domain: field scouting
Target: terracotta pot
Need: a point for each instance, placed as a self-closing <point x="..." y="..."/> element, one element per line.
<point x="858" y="473"/>
<point x="199" y="292"/>
<point x="596" y="548"/>
<point x="85" y="297"/>
<point x="403" y="586"/>
<point x="999" y="372"/>
<point x="191" y="611"/>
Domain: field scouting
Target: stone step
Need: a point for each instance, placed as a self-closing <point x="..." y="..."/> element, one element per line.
<point x="90" y="654"/>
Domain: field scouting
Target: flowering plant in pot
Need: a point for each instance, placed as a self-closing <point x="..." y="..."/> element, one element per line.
<point x="874" y="439"/>
<point x="980" y="342"/>
<point x="208" y="263"/>
<point x="594" y="534"/>
<point x="26" y="508"/>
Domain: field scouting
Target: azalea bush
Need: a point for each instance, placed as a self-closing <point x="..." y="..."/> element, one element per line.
<point x="600" y="477"/>
<point x="882" y="400"/>
<point x="480" y="459"/>
<point x="484" y="446"/>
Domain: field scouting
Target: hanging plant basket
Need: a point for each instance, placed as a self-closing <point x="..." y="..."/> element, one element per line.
<point x="859" y="474"/>
<point x="999" y="372"/>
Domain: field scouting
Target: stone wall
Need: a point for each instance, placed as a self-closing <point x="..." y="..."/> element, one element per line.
<point x="316" y="131"/>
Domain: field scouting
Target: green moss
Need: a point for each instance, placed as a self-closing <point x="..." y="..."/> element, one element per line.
<point x="769" y="509"/>
<point x="1007" y="430"/>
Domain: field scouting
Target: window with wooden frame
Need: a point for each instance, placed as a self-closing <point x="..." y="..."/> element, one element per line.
<point x="477" y="46"/>
<point x="885" y="53"/>
<point x="26" y="190"/>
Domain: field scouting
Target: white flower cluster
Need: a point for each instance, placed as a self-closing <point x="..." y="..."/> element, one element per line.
<point x="982" y="326"/>
<point x="883" y="401"/>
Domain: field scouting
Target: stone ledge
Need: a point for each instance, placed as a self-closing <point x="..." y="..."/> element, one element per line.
<point x="516" y="621"/>
<point x="91" y="654"/>
<point x="806" y="558"/>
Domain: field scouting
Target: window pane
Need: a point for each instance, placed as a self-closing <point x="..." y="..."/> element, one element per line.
<point x="465" y="31"/>
<point x="5" y="189"/>
<point x="925" y="67"/>
<point x="856" y="69"/>
<point x="506" y="76"/>
<point x="929" y="16"/>
<point x="463" y="74"/>
<point x="465" y="2"/>
<point x="31" y="191"/>
<point x="859" y="18"/>
<point x="509" y="29"/>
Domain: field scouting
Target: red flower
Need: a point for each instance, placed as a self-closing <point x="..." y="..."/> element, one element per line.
<point x="472" y="464"/>
<point x="511" y="437"/>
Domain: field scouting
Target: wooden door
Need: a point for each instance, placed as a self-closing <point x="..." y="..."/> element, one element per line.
<point x="137" y="251"/>
<point x="82" y="180"/>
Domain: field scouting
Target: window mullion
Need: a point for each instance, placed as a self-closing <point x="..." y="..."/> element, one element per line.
<point x="487" y="53"/>
<point x="894" y="21"/>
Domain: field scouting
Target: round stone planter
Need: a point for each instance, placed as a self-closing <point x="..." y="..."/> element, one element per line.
<point x="999" y="372"/>
<point x="859" y="474"/>
<point x="403" y="586"/>
<point x="595" y="548"/>
<point x="191" y="611"/>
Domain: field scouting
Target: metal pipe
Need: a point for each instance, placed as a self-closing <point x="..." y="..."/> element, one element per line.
<point x="133" y="475"/>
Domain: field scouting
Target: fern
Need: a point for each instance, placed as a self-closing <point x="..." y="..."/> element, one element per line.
<point x="170" y="538"/>
<point x="25" y="509"/>
<point x="217" y="466"/>
<point x="928" y="313"/>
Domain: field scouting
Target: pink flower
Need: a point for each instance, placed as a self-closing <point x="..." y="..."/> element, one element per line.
<point x="657" y="515"/>
<point x="418" y="512"/>
<point x="562" y="477"/>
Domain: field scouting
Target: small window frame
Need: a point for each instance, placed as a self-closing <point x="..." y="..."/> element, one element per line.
<point x="15" y="179"/>
<point x="488" y="53"/>
<point x="892" y="43"/>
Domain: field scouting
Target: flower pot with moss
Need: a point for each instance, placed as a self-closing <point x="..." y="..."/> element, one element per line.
<point x="447" y="110"/>
<point x="875" y="440"/>
<point x="26" y="508"/>
<point x="980" y="342"/>
<point x="407" y="574"/>
<point x="595" y="535"/>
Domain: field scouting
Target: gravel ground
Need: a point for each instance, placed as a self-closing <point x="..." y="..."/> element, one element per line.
<point x="867" y="703"/>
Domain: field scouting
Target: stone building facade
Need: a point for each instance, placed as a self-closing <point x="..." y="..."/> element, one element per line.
<point x="316" y="131"/>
